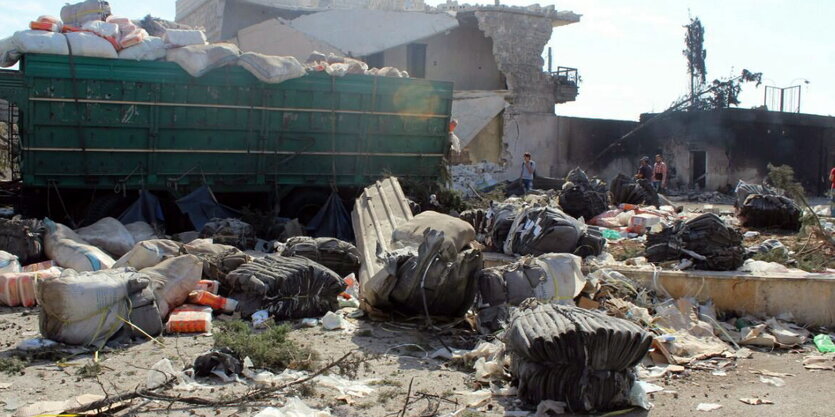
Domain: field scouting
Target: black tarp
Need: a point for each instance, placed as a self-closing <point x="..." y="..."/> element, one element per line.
<point x="332" y="220"/>
<point x="201" y="206"/>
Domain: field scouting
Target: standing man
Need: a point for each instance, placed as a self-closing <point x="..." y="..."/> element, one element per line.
<point x="832" y="181"/>
<point x="659" y="174"/>
<point x="644" y="171"/>
<point x="528" y="169"/>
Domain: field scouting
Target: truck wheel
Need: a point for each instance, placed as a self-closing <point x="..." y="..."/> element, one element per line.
<point x="108" y="205"/>
<point x="303" y="204"/>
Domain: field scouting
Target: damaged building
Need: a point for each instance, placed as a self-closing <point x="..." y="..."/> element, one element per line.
<point x="504" y="101"/>
<point x="705" y="150"/>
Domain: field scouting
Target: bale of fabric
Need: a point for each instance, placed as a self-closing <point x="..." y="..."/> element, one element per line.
<point x="287" y="287"/>
<point x="706" y="240"/>
<point x="581" y="357"/>
<point x="337" y="255"/>
<point x="500" y="218"/>
<point x="23" y="238"/>
<point x="218" y="259"/>
<point x="631" y="191"/>
<point x="230" y="231"/>
<point x="583" y="197"/>
<point x="540" y="230"/>
<point x="770" y="211"/>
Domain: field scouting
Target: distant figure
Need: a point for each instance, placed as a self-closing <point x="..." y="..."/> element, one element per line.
<point x="454" y="142"/>
<point x="644" y="171"/>
<point x="659" y="174"/>
<point x="528" y="169"/>
<point x="832" y="181"/>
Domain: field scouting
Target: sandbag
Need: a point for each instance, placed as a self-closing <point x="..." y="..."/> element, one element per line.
<point x="22" y="238"/>
<point x="539" y="230"/>
<point x="229" y="232"/>
<point x="103" y="29"/>
<point x="775" y="211"/>
<point x="149" y="49"/>
<point x="339" y="256"/>
<point x="148" y="253"/>
<point x="457" y="233"/>
<point x="79" y="13"/>
<point x="553" y="277"/>
<point x="271" y="69"/>
<point x="108" y="234"/>
<point x="176" y="38"/>
<point x="69" y="250"/>
<point x="172" y="280"/>
<point x="85" y="308"/>
<point x="428" y="279"/>
<point x="8" y="262"/>
<point x="200" y="59"/>
<point x="574" y="355"/>
<point x="287" y="287"/>
<point x="141" y="231"/>
<point x="88" y="44"/>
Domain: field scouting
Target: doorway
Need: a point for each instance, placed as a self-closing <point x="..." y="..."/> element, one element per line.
<point x="698" y="164"/>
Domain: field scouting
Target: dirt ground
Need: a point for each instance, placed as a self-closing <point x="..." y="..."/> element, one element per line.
<point x="393" y="363"/>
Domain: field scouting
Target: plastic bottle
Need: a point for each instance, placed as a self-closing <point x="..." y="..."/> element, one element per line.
<point x="824" y="343"/>
<point x="216" y="302"/>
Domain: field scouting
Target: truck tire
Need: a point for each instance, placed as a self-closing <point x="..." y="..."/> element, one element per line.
<point x="303" y="203"/>
<point x="108" y="205"/>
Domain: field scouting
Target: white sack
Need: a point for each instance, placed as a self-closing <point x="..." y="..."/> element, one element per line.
<point x="9" y="55"/>
<point x="150" y="49"/>
<point x="102" y="28"/>
<point x="148" y="253"/>
<point x="69" y="250"/>
<point x="40" y="42"/>
<point x="141" y="231"/>
<point x="88" y="44"/>
<point x="271" y="69"/>
<point x="175" y="38"/>
<point x="108" y="234"/>
<point x="200" y="59"/>
<point x="173" y="279"/>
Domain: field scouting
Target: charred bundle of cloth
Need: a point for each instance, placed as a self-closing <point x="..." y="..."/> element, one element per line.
<point x="340" y="256"/>
<point x="433" y="273"/>
<point x="516" y="187"/>
<point x="540" y="230"/>
<point x="500" y="218"/>
<point x="631" y="191"/>
<point x="287" y="287"/>
<point x="760" y="206"/>
<point x="706" y="240"/>
<point x="581" y="357"/>
<point x="218" y="259"/>
<point x="22" y="238"/>
<point x="230" y="232"/>
<point x="477" y="218"/>
<point x="550" y="277"/>
<point x="581" y="197"/>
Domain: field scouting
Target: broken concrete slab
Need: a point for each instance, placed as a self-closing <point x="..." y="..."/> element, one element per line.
<point x="805" y="297"/>
<point x="474" y="110"/>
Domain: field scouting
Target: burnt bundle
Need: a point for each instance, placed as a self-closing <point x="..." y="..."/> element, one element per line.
<point x="706" y="239"/>
<point x="631" y="191"/>
<point x="582" y="197"/>
<point x="581" y="357"/>
<point x="760" y="206"/>
<point x="287" y="287"/>
<point x="340" y="256"/>
<point x="540" y="230"/>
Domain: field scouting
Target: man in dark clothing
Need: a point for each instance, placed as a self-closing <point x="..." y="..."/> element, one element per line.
<point x="644" y="171"/>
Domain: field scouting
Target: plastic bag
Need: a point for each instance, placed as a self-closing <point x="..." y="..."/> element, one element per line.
<point x="69" y="250"/>
<point x="108" y="234"/>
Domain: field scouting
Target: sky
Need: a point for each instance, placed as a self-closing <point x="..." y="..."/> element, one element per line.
<point x="628" y="52"/>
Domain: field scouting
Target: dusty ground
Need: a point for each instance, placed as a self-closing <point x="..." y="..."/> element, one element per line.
<point x="393" y="366"/>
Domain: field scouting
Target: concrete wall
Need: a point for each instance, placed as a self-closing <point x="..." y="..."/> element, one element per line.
<point x="580" y="140"/>
<point x="487" y="144"/>
<point x="534" y="133"/>
<point x="206" y="14"/>
<point x="275" y="37"/>
<point x="463" y="55"/>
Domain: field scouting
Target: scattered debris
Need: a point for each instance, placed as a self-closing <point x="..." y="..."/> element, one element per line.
<point x="756" y="401"/>
<point x="708" y="407"/>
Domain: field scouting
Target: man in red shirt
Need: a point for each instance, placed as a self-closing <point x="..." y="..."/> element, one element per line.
<point x="832" y="180"/>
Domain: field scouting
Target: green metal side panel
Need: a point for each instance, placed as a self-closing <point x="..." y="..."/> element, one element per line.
<point x="95" y="123"/>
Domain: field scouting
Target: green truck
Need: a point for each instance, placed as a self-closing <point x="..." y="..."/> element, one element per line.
<point x="94" y="129"/>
